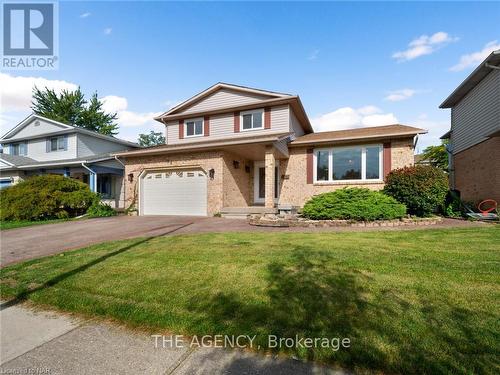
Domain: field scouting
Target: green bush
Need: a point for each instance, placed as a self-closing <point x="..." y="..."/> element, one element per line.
<point x="99" y="209"/>
<point x="353" y="204"/>
<point x="421" y="188"/>
<point x="45" y="197"/>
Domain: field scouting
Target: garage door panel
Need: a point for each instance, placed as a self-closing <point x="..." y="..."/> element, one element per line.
<point x="177" y="193"/>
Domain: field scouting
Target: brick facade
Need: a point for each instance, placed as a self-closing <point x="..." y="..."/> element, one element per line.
<point x="295" y="190"/>
<point x="233" y="182"/>
<point x="477" y="171"/>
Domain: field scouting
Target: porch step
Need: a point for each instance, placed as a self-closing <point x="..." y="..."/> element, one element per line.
<point x="243" y="212"/>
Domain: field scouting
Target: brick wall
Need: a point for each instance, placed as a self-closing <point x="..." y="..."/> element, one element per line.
<point x="204" y="160"/>
<point x="477" y="171"/>
<point x="296" y="191"/>
<point x="237" y="182"/>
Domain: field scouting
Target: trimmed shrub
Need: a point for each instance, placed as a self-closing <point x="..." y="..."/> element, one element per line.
<point x="421" y="188"/>
<point x="45" y="197"/>
<point x="99" y="209"/>
<point x="353" y="204"/>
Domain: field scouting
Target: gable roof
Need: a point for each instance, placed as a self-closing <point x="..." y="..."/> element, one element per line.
<point x="490" y="63"/>
<point x="273" y="98"/>
<point x="219" y="86"/>
<point x="65" y="128"/>
<point x="371" y="133"/>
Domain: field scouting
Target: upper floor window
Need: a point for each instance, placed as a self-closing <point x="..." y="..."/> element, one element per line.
<point x="57" y="144"/>
<point x="252" y="119"/>
<point x="193" y="128"/>
<point x="18" y="149"/>
<point x="348" y="164"/>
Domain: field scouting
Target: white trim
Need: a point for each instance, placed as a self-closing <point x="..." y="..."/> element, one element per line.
<point x="194" y="121"/>
<point x="252" y="112"/>
<point x="145" y="171"/>
<point x="363" y="178"/>
<point x="256" y="166"/>
<point x="216" y="87"/>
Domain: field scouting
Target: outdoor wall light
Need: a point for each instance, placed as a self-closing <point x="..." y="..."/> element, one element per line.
<point x="236" y="164"/>
<point x="211" y="173"/>
<point x="247" y="168"/>
<point x="130" y="177"/>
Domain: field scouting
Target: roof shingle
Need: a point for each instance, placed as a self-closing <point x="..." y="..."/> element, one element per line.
<point x="386" y="131"/>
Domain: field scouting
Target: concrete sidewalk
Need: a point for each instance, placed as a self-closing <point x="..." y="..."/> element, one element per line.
<point x="49" y="343"/>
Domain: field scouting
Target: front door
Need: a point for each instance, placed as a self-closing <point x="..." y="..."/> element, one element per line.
<point x="260" y="182"/>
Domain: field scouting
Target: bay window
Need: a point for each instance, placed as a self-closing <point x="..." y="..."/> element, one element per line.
<point x="356" y="163"/>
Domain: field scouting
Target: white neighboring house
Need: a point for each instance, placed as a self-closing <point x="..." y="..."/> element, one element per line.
<point x="38" y="145"/>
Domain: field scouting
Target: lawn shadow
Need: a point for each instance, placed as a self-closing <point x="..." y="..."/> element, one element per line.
<point x="310" y="296"/>
<point x="24" y="295"/>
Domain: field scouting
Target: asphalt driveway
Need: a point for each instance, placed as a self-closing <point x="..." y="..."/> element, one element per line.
<point x="37" y="241"/>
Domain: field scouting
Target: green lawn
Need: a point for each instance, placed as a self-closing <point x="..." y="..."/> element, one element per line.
<point x="19" y="224"/>
<point x="425" y="301"/>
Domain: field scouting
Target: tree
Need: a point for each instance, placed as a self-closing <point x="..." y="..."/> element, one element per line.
<point x="437" y="155"/>
<point x="151" y="139"/>
<point x="71" y="107"/>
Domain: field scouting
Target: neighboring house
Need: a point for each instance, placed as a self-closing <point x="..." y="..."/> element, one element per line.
<point x="474" y="137"/>
<point x="420" y="159"/>
<point x="38" y="145"/>
<point x="238" y="150"/>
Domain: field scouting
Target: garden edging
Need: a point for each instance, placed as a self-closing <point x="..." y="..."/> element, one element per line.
<point x="267" y="220"/>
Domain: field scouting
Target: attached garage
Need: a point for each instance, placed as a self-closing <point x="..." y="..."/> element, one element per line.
<point x="174" y="192"/>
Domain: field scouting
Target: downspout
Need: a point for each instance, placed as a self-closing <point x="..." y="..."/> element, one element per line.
<point x="92" y="178"/>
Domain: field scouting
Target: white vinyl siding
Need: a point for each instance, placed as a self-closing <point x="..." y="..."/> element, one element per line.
<point x="222" y="127"/>
<point x="38" y="127"/>
<point x="225" y="98"/>
<point x="174" y="192"/>
<point x="477" y="115"/>
<point x="295" y="125"/>
<point x="88" y="145"/>
<point x="37" y="149"/>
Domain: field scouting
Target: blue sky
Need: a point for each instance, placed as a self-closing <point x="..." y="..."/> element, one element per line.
<point x="353" y="64"/>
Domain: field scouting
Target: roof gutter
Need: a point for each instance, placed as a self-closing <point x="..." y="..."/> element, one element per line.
<point x="492" y="66"/>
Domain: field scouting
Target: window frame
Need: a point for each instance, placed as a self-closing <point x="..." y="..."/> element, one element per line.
<point x="194" y="120"/>
<point x="252" y="112"/>
<point x="58" y="138"/>
<point x="363" y="178"/>
<point x="22" y="148"/>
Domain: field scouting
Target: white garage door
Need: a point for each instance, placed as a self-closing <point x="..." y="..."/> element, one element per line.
<point x="174" y="193"/>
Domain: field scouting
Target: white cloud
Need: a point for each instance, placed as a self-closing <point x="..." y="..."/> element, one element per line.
<point x="131" y="123"/>
<point x="424" y="45"/>
<point x="398" y="95"/>
<point x="348" y="118"/>
<point x="15" y="102"/>
<point x="108" y="31"/>
<point x="15" y="91"/>
<point x="436" y="128"/>
<point x="473" y="59"/>
<point x="314" y="55"/>
<point x="85" y="15"/>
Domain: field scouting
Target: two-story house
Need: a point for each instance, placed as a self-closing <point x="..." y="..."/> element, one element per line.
<point x="474" y="137"/>
<point x="38" y="145"/>
<point x="237" y="150"/>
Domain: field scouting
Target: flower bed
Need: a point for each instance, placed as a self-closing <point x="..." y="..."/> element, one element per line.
<point x="270" y="220"/>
